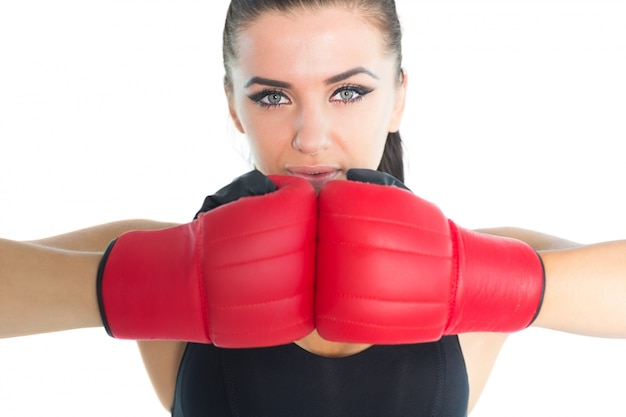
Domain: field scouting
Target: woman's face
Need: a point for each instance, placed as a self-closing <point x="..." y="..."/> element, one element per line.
<point x="315" y="93"/>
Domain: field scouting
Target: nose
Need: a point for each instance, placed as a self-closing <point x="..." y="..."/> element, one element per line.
<point x="312" y="130"/>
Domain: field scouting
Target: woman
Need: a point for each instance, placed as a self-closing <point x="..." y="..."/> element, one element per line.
<point x="267" y="153"/>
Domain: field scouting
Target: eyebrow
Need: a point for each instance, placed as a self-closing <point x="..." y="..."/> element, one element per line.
<point x="268" y="82"/>
<point x="347" y="74"/>
<point x="335" y="78"/>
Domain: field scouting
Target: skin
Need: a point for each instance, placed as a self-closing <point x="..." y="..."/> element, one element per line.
<point x="299" y="124"/>
<point x="317" y="127"/>
<point x="316" y="103"/>
<point x="162" y="359"/>
<point x="338" y="96"/>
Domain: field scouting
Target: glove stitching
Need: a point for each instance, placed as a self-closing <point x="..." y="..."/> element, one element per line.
<point x="275" y="300"/>
<point x="378" y="248"/>
<point x="264" y="330"/>
<point x="379" y="326"/>
<point x="389" y="300"/>
<point x="252" y="261"/>
<point x="202" y="282"/>
<point x="258" y="232"/>
<point x="368" y="220"/>
<point x="456" y="273"/>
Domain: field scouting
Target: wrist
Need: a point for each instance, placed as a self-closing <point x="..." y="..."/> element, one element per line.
<point x="500" y="283"/>
<point x="146" y="288"/>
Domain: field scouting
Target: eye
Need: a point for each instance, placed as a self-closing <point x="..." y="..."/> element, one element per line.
<point x="349" y="94"/>
<point x="267" y="98"/>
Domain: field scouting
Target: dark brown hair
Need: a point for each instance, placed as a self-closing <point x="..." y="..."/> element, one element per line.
<point x="381" y="13"/>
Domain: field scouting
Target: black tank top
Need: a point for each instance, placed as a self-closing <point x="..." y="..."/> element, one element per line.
<point x="421" y="380"/>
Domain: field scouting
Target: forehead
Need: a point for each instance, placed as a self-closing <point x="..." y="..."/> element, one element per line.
<point x="310" y="44"/>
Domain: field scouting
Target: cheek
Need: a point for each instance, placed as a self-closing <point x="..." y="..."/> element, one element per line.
<point x="268" y="140"/>
<point x="363" y="135"/>
<point x="263" y="151"/>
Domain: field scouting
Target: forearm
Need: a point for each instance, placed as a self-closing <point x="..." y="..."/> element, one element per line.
<point x="586" y="290"/>
<point x="45" y="290"/>
<point x="97" y="238"/>
<point x="49" y="284"/>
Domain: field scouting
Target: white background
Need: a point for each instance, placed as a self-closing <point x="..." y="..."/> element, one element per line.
<point x="114" y="109"/>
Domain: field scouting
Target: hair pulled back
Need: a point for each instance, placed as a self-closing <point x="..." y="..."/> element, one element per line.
<point x="382" y="13"/>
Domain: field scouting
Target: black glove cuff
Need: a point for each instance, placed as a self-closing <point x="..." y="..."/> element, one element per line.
<point x="100" y="277"/>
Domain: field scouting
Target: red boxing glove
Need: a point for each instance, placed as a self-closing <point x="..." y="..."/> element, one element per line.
<point x="392" y="269"/>
<point x="241" y="275"/>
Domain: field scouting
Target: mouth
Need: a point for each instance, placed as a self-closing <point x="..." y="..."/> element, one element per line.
<point x="317" y="176"/>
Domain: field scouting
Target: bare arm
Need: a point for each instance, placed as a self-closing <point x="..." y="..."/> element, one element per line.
<point x="538" y="241"/>
<point x="585" y="284"/>
<point x="49" y="285"/>
<point x="481" y="350"/>
<point x="586" y="290"/>
<point x="561" y="307"/>
<point x="96" y="238"/>
<point x="161" y="358"/>
<point x="45" y="289"/>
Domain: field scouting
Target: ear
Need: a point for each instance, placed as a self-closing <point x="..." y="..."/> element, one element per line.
<point x="232" y="110"/>
<point x="400" y="100"/>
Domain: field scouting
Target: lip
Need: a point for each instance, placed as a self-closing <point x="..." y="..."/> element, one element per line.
<point x="316" y="175"/>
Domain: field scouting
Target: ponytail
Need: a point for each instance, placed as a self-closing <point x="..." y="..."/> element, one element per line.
<point x="392" y="161"/>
